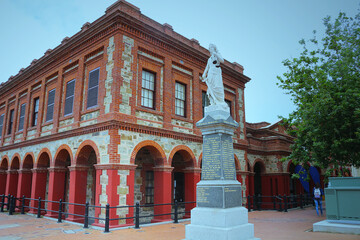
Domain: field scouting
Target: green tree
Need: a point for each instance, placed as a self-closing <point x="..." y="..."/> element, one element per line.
<point x="324" y="83"/>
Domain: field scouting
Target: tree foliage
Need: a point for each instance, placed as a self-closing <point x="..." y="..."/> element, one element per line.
<point x="324" y="83"/>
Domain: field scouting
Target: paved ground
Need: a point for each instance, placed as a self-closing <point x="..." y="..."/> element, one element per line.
<point x="295" y="224"/>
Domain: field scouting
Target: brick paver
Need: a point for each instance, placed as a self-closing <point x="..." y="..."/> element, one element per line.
<point x="295" y="224"/>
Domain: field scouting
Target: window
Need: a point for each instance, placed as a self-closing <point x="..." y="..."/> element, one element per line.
<point x="22" y="117"/>
<point x="93" y="89"/>
<point x="180" y="99"/>
<point x="1" y="124"/>
<point x="229" y="104"/>
<point x="11" y="121"/>
<point x="205" y="102"/>
<point x="35" y="111"/>
<point x="50" y="106"/>
<point x="149" y="187"/>
<point x="69" y="97"/>
<point x="147" y="89"/>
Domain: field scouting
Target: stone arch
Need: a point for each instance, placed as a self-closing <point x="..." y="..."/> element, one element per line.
<point x="160" y="154"/>
<point x="262" y="165"/>
<point x="28" y="161"/>
<point x="237" y="163"/>
<point x="4" y="163"/>
<point x="15" y="161"/>
<point x="83" y="152"/>
<point x="183" y="150"/>
<point x="61" y="155"/>
<point x="43" y="159"/>
<point x="200" y="159"/>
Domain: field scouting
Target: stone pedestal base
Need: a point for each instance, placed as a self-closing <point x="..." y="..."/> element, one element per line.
<point x="219" y="224"/>
<point x="334" y="226"/>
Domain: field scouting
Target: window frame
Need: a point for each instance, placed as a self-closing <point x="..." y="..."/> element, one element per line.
<point x="11" y="121"/>
<point x="183" y="101"/>
<point x="35" y="112"/>
<point x="149" y="187"/>
<point x="2" y="117"/>
<point x="22" y="117"/>
<point x="72" y="96"/>
<point x="88" y="90"/>
<point x="153" y="91"/>
<point x="50" y="105"/>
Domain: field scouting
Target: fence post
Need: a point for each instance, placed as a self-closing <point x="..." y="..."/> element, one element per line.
<point x="286" y="204"/>
<point x="2" y="203"/>
<point x="137" y="215"/>
<point x="301" y="201"/>
<point x="107" y="217"/>
<point x="39" y="208"/>
<point x="23" y="205"/>
<point x="86" y="220"/>
<point x="259" y="202"/>
<point x="60" y="211"/>
<point x="10" y="202"/>
<point x="249" y="203"/>
<point x="176" y="212"/>
<point x="274" y="202"/>
<point x="280" y="203"/>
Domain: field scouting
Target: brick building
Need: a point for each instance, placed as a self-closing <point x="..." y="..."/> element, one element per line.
<point x="109" y="116"/>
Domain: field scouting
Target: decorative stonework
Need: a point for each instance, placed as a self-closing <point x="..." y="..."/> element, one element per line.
<point x="150" y="124"/>
<point x="65" y="122"/>
<point x="180" y="123"/>
<point x="103" y="198"/>
<point x="127" y="75"/>
<point x="109" y="77"/>
<point x="129" y="140"/>
<point x="241" y="112"/>
<point x="149" y="116"/>
<point x="122" y="190"/>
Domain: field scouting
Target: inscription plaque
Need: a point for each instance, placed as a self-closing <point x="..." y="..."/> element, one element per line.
<point x="218" y="158"/>
<point x="218" y="196"/>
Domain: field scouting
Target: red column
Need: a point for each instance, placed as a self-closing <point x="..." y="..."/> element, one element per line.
<point x="162" y="192"/>
<point x="3" y="177"/>
<point x="77" y="191"/>
<point x="55" y="189"/>
<point x="192" y="177"/>
<point x="24" y="184"/>
<point x="251" y="183"/>
<point x="38" y="188"/>
<point x="11" y="182"/>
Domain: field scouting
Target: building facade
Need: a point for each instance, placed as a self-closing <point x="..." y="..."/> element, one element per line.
<point x="109" y="116"/>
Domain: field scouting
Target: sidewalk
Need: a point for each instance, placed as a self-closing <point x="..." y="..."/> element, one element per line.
<point x="269" y="225"/>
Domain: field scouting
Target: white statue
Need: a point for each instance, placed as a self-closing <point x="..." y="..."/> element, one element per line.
<point x="213" y="78"/>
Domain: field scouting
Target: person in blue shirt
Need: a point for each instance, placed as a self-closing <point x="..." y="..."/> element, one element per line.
<point x="318" y="193"/>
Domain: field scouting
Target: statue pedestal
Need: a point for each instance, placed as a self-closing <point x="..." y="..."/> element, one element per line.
<point x="219" y="214"/>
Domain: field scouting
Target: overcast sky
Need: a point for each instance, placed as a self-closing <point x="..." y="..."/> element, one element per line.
<point x="258" y="34"/>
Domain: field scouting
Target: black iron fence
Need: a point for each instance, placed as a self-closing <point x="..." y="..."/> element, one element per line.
<point x="280" y="202"/>
<point x="23" y="204"/>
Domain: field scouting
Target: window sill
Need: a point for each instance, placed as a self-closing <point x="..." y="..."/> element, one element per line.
<point x="149" y="110"/>
<point x="89" y="110"/>
<point x="47" y="123"/>
<point x="66" y="117"/>
<point x="31" y="128"/>
<point x="185" y="119"/>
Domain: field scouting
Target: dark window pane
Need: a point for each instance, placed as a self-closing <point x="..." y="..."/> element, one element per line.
<point x="35" y="111"/>
<point x="1" y="124"/>
<point x="22" y="117"/>
<point x="94" y="78"/>
<point x="69" y="105"/>
<point x="50" y="106"/>
<point x="92" y="97"/>
<point x="69" y="100"/>
<point x="11" y="121"/>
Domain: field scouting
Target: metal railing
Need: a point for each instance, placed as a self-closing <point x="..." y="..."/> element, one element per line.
<point x="12" y="203"/>
<point x="278" y="202"/>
